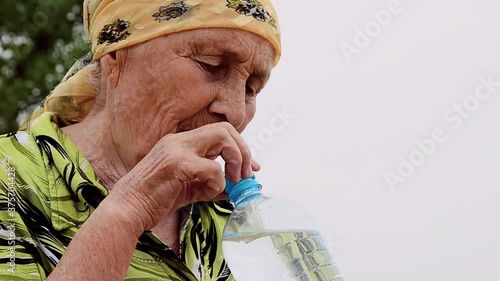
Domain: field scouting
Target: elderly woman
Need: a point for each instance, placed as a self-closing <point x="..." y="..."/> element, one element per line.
<point x="114" y="177"/>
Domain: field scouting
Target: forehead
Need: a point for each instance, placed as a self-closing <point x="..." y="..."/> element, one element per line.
<point x="241" y="45"/>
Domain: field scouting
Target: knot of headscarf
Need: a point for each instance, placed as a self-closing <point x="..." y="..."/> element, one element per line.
<point x="115" y="24"/>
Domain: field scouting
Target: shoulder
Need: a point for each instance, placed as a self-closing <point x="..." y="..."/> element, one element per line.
<point x="23" y="169"/>
<point x="21" y="154"/>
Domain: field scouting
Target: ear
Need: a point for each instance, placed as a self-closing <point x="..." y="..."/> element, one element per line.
<point x="110" y="68"/>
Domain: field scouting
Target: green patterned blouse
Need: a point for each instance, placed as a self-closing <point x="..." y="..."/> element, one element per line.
<point x="48" y="190"/>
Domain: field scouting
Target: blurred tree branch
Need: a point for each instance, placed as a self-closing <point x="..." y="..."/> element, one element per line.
<point x="39" y="41"/>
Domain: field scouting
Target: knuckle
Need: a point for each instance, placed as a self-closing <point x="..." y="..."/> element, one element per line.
<point x="214" y="169"/>
<point x="226" y="125"/>
<point x="173" y="160"/>
<point x="221" y="132"/>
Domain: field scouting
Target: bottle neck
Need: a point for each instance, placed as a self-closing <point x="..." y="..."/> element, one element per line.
<point x="244" y="191"/>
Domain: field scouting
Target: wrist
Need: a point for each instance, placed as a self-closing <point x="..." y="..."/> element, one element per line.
<point x="122" y="217"/>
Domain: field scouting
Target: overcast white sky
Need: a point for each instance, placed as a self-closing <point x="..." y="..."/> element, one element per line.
<point x="343" y="127"/>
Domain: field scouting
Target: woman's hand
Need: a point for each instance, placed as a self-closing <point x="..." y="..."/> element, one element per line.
<point x="179" y="170"/>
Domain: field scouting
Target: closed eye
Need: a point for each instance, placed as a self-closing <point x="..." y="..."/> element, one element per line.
<point x="209" y="67"/>
<point x="212" y="64"/>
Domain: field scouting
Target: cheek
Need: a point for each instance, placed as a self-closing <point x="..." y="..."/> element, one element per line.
<point x="193" y="97"/>
<point x="194" y="91"/>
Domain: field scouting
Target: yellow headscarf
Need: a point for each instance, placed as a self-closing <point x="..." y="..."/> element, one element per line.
<point x="115" y="24"/>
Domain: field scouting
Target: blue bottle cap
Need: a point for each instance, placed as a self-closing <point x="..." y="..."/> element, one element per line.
<point x="249" y="188"/>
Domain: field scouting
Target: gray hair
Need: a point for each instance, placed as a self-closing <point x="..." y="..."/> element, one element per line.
<point x="93" y="78"/>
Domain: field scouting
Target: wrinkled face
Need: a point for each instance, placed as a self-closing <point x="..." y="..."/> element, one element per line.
<point x="181" y="82"/>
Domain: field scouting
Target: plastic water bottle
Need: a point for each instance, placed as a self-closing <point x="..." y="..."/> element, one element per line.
<point x="271" y="239"/>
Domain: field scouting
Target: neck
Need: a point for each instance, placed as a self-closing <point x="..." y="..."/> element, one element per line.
<point x="96" y="143"/>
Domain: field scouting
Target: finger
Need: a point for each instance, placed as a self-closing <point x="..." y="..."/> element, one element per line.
<point x="233" y="161"/>
<point x="218" y="140"/>
<point x="220" y="197"/>
<point x="231" y="154"/>
<point x="255" y="165"/>
<point x="210" y="180"/>
<point x="210" y="142"/>
<point x="246" y="165"/>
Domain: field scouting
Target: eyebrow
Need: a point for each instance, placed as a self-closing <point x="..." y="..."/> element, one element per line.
<point x="257" y="72"/>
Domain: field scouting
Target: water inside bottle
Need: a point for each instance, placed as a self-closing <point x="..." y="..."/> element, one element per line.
<point x="295" y="255"/>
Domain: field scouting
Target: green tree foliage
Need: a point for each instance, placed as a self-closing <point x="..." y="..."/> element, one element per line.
<point x="39" y="41"/>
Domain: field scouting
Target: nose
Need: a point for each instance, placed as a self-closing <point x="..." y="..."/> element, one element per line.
<point x="231" y="104"/>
